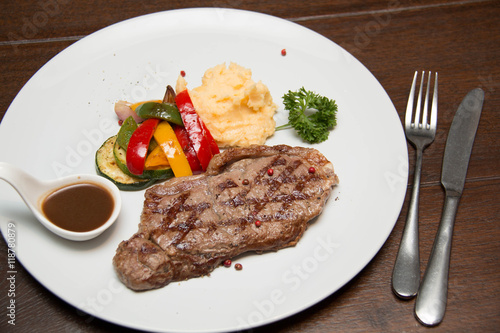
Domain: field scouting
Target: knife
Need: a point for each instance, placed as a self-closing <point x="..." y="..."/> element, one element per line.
<point x="430" y="305"/>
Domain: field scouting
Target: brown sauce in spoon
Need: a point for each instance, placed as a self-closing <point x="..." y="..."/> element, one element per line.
<point x="79" y="207"/>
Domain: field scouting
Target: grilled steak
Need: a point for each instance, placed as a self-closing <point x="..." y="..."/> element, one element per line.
<point x="190" y="225"/>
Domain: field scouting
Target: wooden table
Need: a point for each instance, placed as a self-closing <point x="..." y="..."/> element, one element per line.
<point x="393" y="38"/>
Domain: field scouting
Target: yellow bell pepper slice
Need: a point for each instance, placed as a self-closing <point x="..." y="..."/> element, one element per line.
<point x="166" y="139"/>
<point x="156" y="159"/>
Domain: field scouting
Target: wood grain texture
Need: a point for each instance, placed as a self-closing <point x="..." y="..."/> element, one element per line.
<point x="459" y="39"/>
<point x="26" y="20"/>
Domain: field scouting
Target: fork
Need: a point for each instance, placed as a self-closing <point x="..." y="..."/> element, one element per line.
<point x="420" y="130"/>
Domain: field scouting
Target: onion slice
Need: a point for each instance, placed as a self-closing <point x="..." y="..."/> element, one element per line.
<point x="124" y="110"/>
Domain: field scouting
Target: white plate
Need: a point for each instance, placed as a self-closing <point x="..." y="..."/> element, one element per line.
<point x="63" y="114"/>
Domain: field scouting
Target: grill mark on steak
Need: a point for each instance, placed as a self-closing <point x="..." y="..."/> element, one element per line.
<point x="229" y="183"/>
<point x="185" y="227"/>
<point x="263" y="178"/>
<point x="274" y="184"/>
<point x="190" y="225"/>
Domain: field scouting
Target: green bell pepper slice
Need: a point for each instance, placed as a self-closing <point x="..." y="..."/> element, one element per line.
<point x="128" y="127"/>
<point x="165" y="111"/>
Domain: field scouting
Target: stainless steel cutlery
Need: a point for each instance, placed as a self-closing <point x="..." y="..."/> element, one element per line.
<point x="420" y="129"/>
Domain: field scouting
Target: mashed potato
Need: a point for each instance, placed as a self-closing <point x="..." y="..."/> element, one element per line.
<point x="237" y="111"/>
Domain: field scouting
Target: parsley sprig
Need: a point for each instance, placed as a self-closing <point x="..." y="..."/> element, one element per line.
<point x="310" y="114"/>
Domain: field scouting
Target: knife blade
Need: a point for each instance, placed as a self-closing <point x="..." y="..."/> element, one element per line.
<point x="460" y="140"/>
<point x="430" y="305"/>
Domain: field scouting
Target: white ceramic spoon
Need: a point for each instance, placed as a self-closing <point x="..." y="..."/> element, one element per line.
<point x="34" y="191"/>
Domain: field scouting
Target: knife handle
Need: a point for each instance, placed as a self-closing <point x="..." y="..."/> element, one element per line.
<point x="406" y="272"/>
<point x="430" y="305"/>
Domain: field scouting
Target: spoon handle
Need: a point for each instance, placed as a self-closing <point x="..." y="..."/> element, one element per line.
<point x="21" y="181"/>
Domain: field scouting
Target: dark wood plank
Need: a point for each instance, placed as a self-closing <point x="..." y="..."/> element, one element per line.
<point x="25" y="20"/>
<point x="19" y="63"/>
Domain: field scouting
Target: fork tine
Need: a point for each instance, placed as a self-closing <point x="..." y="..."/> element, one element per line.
<point x="425" y="111"/>
<point x="411" y="98"/>
<point x="434" y="110"/>
<point x="419" y="102"/>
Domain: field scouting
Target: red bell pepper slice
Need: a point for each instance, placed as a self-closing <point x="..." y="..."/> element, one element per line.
<point x="196" y="129"/>
<point x="214" y="148"/>
<point x="183" y="138"/>
<point x="138" y="145"/>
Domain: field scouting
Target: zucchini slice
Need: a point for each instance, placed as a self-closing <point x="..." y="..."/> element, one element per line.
<point x="107" y="167"/>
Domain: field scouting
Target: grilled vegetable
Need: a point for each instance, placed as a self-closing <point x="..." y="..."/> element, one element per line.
<point x="183" y="138"/>
<point x="164" y="111"/>
<point x="156" y="159"/>
<point x="138" y="145"/>
<point x="153" y="173"/>
<point x="125" y="133"/>
<point x="166" y="139"/>
<point x="107" y="167"/>
<point x="196" y="129"/>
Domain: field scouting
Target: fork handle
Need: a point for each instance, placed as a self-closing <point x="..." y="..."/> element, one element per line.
<point x="406" y="272"/>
